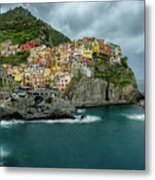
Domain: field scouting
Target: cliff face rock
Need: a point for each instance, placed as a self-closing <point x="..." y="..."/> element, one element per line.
<point x="87" y="91"/>
<point x="95" y="91"/>
<point x="36" y="107"/>
<point x="140" y="100"/>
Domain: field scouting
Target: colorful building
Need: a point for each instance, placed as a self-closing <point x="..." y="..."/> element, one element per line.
<point x="115" y="54"/>
<point x="54" y="67"/>
<point x="27" y="46"/>
<point x="64" y="80"/>
<point x="18" y="77"/>
<point x="37" y="79"/>
<point x="107" y="49"/>
<point x="87" y="51"/>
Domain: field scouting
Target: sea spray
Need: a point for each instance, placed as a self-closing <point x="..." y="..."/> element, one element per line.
<point x="87" y="119"/>
<point x="140" y="117"/>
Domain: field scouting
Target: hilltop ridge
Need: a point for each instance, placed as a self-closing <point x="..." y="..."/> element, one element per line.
<point x="20" y="26"/>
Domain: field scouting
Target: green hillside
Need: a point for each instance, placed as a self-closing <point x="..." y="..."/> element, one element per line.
<point x="20" y="26"/>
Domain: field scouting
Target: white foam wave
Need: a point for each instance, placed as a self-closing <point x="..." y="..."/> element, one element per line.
<point x="139" y="117"/>
<point x="54" y="121"/>
<point x="4" y="153"/>
<point x="86" y="119"/>
<point x="8" y="124"/>
<point x="81" y="110"/>
<point x="90" y="119"/>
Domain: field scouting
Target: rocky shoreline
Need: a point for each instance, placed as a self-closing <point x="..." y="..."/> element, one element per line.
<point x="36" y="107"/>
<point x="9" y="115"/>
<point x="82" y="92"/>
<point x="140" y="100"/>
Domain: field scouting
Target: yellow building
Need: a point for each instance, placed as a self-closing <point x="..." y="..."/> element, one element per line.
<point x="4" y="66"/>
<point x="64" y="56"/>
<point x="47" y="72"/>
<point x="18" y="77"/>
<point x="87" y="52"/>
<point x="56" y="63"/>
<point x="96" y="48"/>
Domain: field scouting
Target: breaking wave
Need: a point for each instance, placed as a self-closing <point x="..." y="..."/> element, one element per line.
<point x="53" y="121"/>
<point x="140" y="117"/>
<point x="81" y="110"/>
<point x="86" y="119"/>
<point x="90" y="119"/>
<point x="7" y="124"/>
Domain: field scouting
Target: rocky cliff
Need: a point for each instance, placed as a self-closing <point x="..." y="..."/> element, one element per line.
<point x="110" y="84"/>
<point x="87" y="92"/>
<point x="36" y="107"/>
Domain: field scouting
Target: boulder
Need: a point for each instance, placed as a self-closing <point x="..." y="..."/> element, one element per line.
<point x="32" y="107"/>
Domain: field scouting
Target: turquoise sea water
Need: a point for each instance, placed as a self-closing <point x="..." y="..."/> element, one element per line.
<point x="109" y="137"/>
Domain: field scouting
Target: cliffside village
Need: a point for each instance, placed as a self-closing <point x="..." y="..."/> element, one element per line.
<point x="54" y="67"/>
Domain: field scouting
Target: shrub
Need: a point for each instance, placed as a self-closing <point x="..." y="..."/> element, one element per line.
<point x="124" y="62"/>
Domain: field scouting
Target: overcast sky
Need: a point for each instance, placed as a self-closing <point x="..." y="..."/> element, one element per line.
<point x="118" y="22"/>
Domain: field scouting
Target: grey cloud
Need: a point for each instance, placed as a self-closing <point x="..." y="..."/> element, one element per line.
<point x="110" y="18"/>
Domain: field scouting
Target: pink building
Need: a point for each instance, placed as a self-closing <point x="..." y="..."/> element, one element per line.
<point x="37" y="79"/>
<point x="63" y="81"/>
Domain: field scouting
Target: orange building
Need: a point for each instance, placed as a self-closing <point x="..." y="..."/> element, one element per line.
<point x="106" y="49"/>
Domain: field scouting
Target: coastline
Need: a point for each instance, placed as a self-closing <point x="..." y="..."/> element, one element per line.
<point x="38" y="105"/>
<point x="70" y="118"/>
